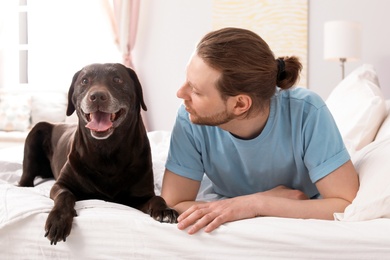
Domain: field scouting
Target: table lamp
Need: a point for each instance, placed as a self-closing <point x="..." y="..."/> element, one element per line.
<point x="342" y="42"/>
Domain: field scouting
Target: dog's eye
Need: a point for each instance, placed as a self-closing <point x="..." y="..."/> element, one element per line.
<point x="117" y="80"/>
<point x="84" y="81"/>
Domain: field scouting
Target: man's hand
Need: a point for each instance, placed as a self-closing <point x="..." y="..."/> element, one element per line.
<point x="211" y="215"/>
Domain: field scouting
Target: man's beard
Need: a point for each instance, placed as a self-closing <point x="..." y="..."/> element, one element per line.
<point x="217" y="119"/>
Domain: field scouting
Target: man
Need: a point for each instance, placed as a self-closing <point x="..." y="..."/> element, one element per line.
<point x="271" y="149"/>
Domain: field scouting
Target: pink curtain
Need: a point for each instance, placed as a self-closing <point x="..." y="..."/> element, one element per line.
<point x="126" y="14"/>
<point x="124" y="20"/>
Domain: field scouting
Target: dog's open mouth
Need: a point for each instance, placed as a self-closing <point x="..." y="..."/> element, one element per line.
<point x="101" y="123"/>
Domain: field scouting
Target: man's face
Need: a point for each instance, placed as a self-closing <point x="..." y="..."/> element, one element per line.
<point x="201" y="97"/>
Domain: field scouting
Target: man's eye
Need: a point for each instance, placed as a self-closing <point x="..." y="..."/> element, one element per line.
<point x="194" y="91"/>
<point x="84" y="81"/>
<point x="117" y="80"/>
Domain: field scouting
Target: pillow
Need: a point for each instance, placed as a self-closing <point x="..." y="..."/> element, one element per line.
<point x="358" y="107"/>
<point x="72" y="118"/>
<point x="15" y="112"/>
<point x="373" y="198"/>
<point x="384" y="129"/>
<point x="49" y="107"/>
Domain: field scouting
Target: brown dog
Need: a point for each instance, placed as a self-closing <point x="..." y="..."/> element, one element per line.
<point x="106" y="156"/>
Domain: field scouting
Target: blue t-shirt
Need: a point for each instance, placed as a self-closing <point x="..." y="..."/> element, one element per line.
<point x="299" y="145"/>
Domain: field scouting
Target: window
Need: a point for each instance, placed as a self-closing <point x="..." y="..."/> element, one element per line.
<point x="23" y="42"/>
<point x="44" y="42"/>
<point x="14" y="43"/>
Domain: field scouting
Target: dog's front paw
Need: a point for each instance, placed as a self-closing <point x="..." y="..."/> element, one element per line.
<point x="158" y="209"/>
<point x="167" y="215"/>
<point x="58" y="225"/>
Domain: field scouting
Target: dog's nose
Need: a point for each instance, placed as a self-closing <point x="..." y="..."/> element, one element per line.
<point x="97" y="96"/>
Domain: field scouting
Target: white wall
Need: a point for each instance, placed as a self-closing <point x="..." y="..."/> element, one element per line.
<point x="374" y="18"/>
<point x="168" y="33"/>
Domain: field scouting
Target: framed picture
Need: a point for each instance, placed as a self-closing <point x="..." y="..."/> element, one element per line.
<point x="283" y="24"/>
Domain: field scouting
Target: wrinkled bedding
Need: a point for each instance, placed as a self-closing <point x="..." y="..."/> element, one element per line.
<point x="104" y="230"/>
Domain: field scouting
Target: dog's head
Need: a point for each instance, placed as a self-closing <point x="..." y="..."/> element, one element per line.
<point x="104" y="97"/>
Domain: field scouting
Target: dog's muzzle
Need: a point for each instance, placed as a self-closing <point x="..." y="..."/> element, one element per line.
<point x="102" y="113"/>
<point x="101" y="123"/>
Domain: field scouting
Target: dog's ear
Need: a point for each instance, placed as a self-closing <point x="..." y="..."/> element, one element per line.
<point x="71" y="108"/>
<point x="138" y="88"/>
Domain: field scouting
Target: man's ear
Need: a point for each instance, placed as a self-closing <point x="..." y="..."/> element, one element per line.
<point x="241" y="104"/>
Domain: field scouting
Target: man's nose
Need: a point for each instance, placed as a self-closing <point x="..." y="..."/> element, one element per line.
<point x="182" y="92"/>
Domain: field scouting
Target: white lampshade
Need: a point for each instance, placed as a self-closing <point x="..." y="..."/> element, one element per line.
<point x="342" y="40"/>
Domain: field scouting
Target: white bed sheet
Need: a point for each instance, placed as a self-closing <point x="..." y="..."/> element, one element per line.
<point x="104" y="230"/>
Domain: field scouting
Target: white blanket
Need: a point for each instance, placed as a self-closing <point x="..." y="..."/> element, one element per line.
<point x="104" y="230"/>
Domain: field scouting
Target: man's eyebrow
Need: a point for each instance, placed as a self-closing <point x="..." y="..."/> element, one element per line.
<point x="191" y="84"/>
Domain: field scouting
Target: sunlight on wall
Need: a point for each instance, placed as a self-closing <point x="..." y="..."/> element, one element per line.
<point x="283" y="24"/>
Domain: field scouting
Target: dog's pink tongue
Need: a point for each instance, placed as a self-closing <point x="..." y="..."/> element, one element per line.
<point x="100" y="122"/>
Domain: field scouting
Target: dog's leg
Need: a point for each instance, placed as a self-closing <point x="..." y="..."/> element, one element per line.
<point x="37" y="148"/>
<point x="59" y="222"/>
<point x="158" y="209"/>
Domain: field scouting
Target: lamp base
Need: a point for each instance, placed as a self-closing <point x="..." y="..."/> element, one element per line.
<point x="342" y="62"/>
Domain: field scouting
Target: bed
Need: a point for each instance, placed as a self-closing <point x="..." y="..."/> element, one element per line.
<point x="104" y="230"/>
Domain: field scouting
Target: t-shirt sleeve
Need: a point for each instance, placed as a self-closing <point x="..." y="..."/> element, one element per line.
<point x="184" y="157"/>
<point x="324" y="149"/>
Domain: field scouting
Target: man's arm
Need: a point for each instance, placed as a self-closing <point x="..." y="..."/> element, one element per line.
<point x="179" y="192"/>
<point x="338" y="189"/>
